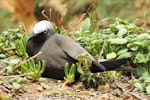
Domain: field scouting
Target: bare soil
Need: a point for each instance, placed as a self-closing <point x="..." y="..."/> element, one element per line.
<point x="48" y="89"/>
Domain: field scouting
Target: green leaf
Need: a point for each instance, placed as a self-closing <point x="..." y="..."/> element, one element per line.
<point x="79" y="69"/>
<point x="86" y="25"/>
<point x="134" y="46"/>
<point x="43" y="66"/>
<point x="111" y="55"/>
<point x="2" y="56"/>
<point x="147" y="79"/>
<point x="140" y="58"/>
<point x="125" y="55"/>
<point x="148" y="89"/>
<point x="144" y="36"/>
<point x="118" y="41"/>
<point x="146" y="74"/>
<point x="139" y="86"/>
<point x="122" y="31"/>
<point x="140" y="71"/>
<point x="66" y="69"/>
<point x="16" y="85"/>
<point x="122" y="51"/>
<point x="148" y="56"/>
<point x="72" y="70"/>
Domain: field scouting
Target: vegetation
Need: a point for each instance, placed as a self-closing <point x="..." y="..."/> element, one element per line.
<point x="118" y="40"/>
<point x="69" y="74"/>
<point x="90" y="80"/>
<point x="12" y="53"/>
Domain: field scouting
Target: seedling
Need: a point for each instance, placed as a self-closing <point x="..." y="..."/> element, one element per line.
<point x="34" y="70"/>
<point x="69" y="74"/>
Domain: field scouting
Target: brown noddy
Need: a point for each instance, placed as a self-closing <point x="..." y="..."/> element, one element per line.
<point x="57" y="50"/>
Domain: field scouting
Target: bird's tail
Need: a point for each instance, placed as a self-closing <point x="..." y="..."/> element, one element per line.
<point x="109" y="65"/>
<point x="113" y="64"/>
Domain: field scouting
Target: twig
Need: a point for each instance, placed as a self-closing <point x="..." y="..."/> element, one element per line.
<point x="2" y="71"/>
<point x="50" y="13"/>
<point x="11" y="48"/>
<point x="144" y="24"/>
<point x="101" y="51"/>
<point x="2" y="77"/>
<point x="74" y="2"/>
<point x="84" y="14"/>
<point x="43" y="13"/>
<point x="23" y="26"/>
<point x="128" y="92"/>
<point x="6" y="89"/>
<point x="61" y="19"/>
<point x="27" y="60"/>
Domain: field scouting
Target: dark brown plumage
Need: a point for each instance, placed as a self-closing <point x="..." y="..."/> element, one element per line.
<point x="58" y="49"/>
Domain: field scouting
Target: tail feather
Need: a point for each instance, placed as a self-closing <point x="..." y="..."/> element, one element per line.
<point x="113" y="64"/>
<point x="107" y="65"/>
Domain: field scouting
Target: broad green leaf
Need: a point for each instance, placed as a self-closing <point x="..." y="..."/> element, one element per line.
<point x="146" y="74"/>
<point x="140" y="58"/>
<point x="147" y="79"/>
<point x="111" y="55"/>
<point x="11" y="62"/>
<point x="134" y="46"/>
<point x="16" y="85"/>
<point x="79" y="69"/>
<point x="139" y="86"/>
<point x="148" y="56"/>
<point x="122" y="31"/>
<point x="118" y="41"/>
<point x="148" y="89"/>
<point x="140" y="71"/>
<point x="2" y="56"/>
<point x="86" y="25"/>
<point x="144" y="35"/>
<point x="122" y="51"/>
<point x="125" y="55"/>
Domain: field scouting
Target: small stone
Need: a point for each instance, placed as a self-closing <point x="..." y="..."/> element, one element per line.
<point x="40" y="88"/>
<point x="104" y="87"/>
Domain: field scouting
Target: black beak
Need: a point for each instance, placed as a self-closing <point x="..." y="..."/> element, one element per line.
<point x="32" y="36"/>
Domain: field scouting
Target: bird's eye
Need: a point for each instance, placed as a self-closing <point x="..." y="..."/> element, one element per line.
<point x="45" y="32"/>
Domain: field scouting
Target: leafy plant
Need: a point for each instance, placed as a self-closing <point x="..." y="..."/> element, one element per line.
<point x="21" y="46"/>
<point x="84" y="63"/>
<point x="143" y="84"/>
<point x="16" y="82"/>
<point x="113" y="74"/>
<point x="34" y="70"/>
<point x="90" y="80"/>
<point x="69" y="74"/>
<point x="10" y="64"/>
<point x="119" y="40"/>
<point x="12" y="41"/>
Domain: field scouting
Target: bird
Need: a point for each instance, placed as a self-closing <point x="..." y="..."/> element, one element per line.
<point x="57" y="50"/>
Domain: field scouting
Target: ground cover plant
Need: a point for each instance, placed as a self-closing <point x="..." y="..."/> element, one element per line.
<point x="118" y="40"/>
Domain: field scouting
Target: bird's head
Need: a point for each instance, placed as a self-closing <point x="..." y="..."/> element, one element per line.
<point x="42" y="30"/>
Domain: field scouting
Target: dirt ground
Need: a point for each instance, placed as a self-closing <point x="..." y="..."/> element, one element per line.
<point x="47" y="89"/>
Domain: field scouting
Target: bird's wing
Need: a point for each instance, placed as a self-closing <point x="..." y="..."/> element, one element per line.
<point x="73" y="49"/>
<point x="70" y="47"/>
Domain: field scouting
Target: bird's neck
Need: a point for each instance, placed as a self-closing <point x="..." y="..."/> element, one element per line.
<point x="38" y="43"/>
<point x="34" y="45"/>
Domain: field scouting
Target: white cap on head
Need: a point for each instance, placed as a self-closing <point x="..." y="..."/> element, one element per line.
<point x="42" y="26"/>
